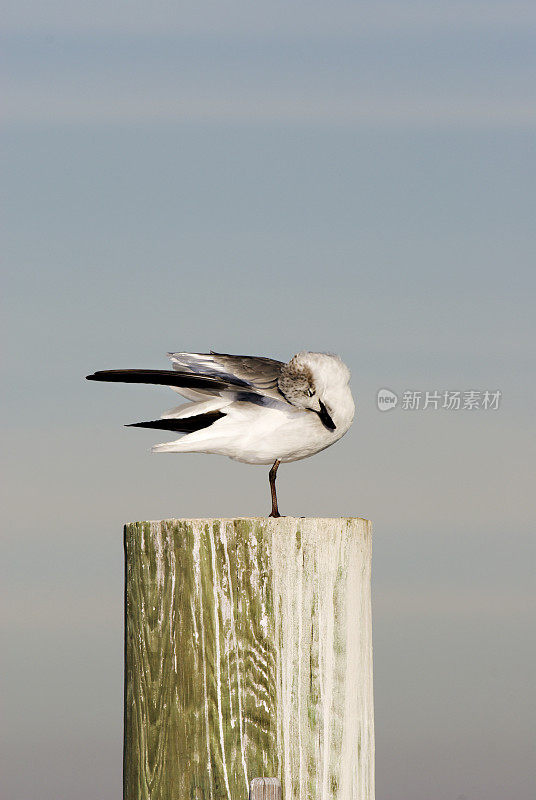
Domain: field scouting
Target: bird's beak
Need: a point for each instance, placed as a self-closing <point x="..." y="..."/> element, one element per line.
<point x="324" y="416"/>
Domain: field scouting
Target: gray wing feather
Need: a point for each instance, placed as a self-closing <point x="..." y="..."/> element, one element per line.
<point x="255" y="372"/>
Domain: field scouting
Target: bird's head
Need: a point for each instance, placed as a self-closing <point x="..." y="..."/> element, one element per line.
<point x="317" y="382"/>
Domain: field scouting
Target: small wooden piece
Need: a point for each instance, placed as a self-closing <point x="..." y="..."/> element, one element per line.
<point x="265" y="789"/>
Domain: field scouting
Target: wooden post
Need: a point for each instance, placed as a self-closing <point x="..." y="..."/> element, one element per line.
<point x="248" y="652"/>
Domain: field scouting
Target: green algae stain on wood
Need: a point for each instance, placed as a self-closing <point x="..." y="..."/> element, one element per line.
<point x="200" y="663"/>
<point x="244" y="643"/>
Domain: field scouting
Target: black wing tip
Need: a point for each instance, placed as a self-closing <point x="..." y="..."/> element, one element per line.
<point x="103" y="375"/>
<point x="181" y="425"/>
<point x="164" y="377"/>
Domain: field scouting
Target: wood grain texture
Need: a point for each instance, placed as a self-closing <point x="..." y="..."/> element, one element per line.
<point x="248" y="653"/>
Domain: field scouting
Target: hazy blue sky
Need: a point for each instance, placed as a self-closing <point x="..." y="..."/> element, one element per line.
<point x="264" y="178"/>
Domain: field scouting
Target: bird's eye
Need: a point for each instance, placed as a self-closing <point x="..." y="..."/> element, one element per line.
<point x="310" y="392"/>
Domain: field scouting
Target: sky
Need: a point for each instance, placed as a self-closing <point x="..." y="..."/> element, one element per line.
<point x="264" y="178"/>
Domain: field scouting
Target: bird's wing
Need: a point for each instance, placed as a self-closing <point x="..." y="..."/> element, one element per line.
<point x="207" y="384"/>
<point x="253" y="373"/>
<point x="213" y="381"/>
<point x="200" y="377"/>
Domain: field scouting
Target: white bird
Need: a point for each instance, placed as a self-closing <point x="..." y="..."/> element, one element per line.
<point x="255" y="410"/>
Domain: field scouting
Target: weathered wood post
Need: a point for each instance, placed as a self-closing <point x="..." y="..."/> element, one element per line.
<point x="248" y="653"/>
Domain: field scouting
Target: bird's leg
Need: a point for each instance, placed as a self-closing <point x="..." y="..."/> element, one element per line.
<point x="273" y="473"/>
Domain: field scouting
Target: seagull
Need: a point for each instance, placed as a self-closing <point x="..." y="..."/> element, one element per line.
<point x="251" y="409"/>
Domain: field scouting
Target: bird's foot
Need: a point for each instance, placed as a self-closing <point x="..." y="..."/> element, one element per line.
<point x="274" y="514"/>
